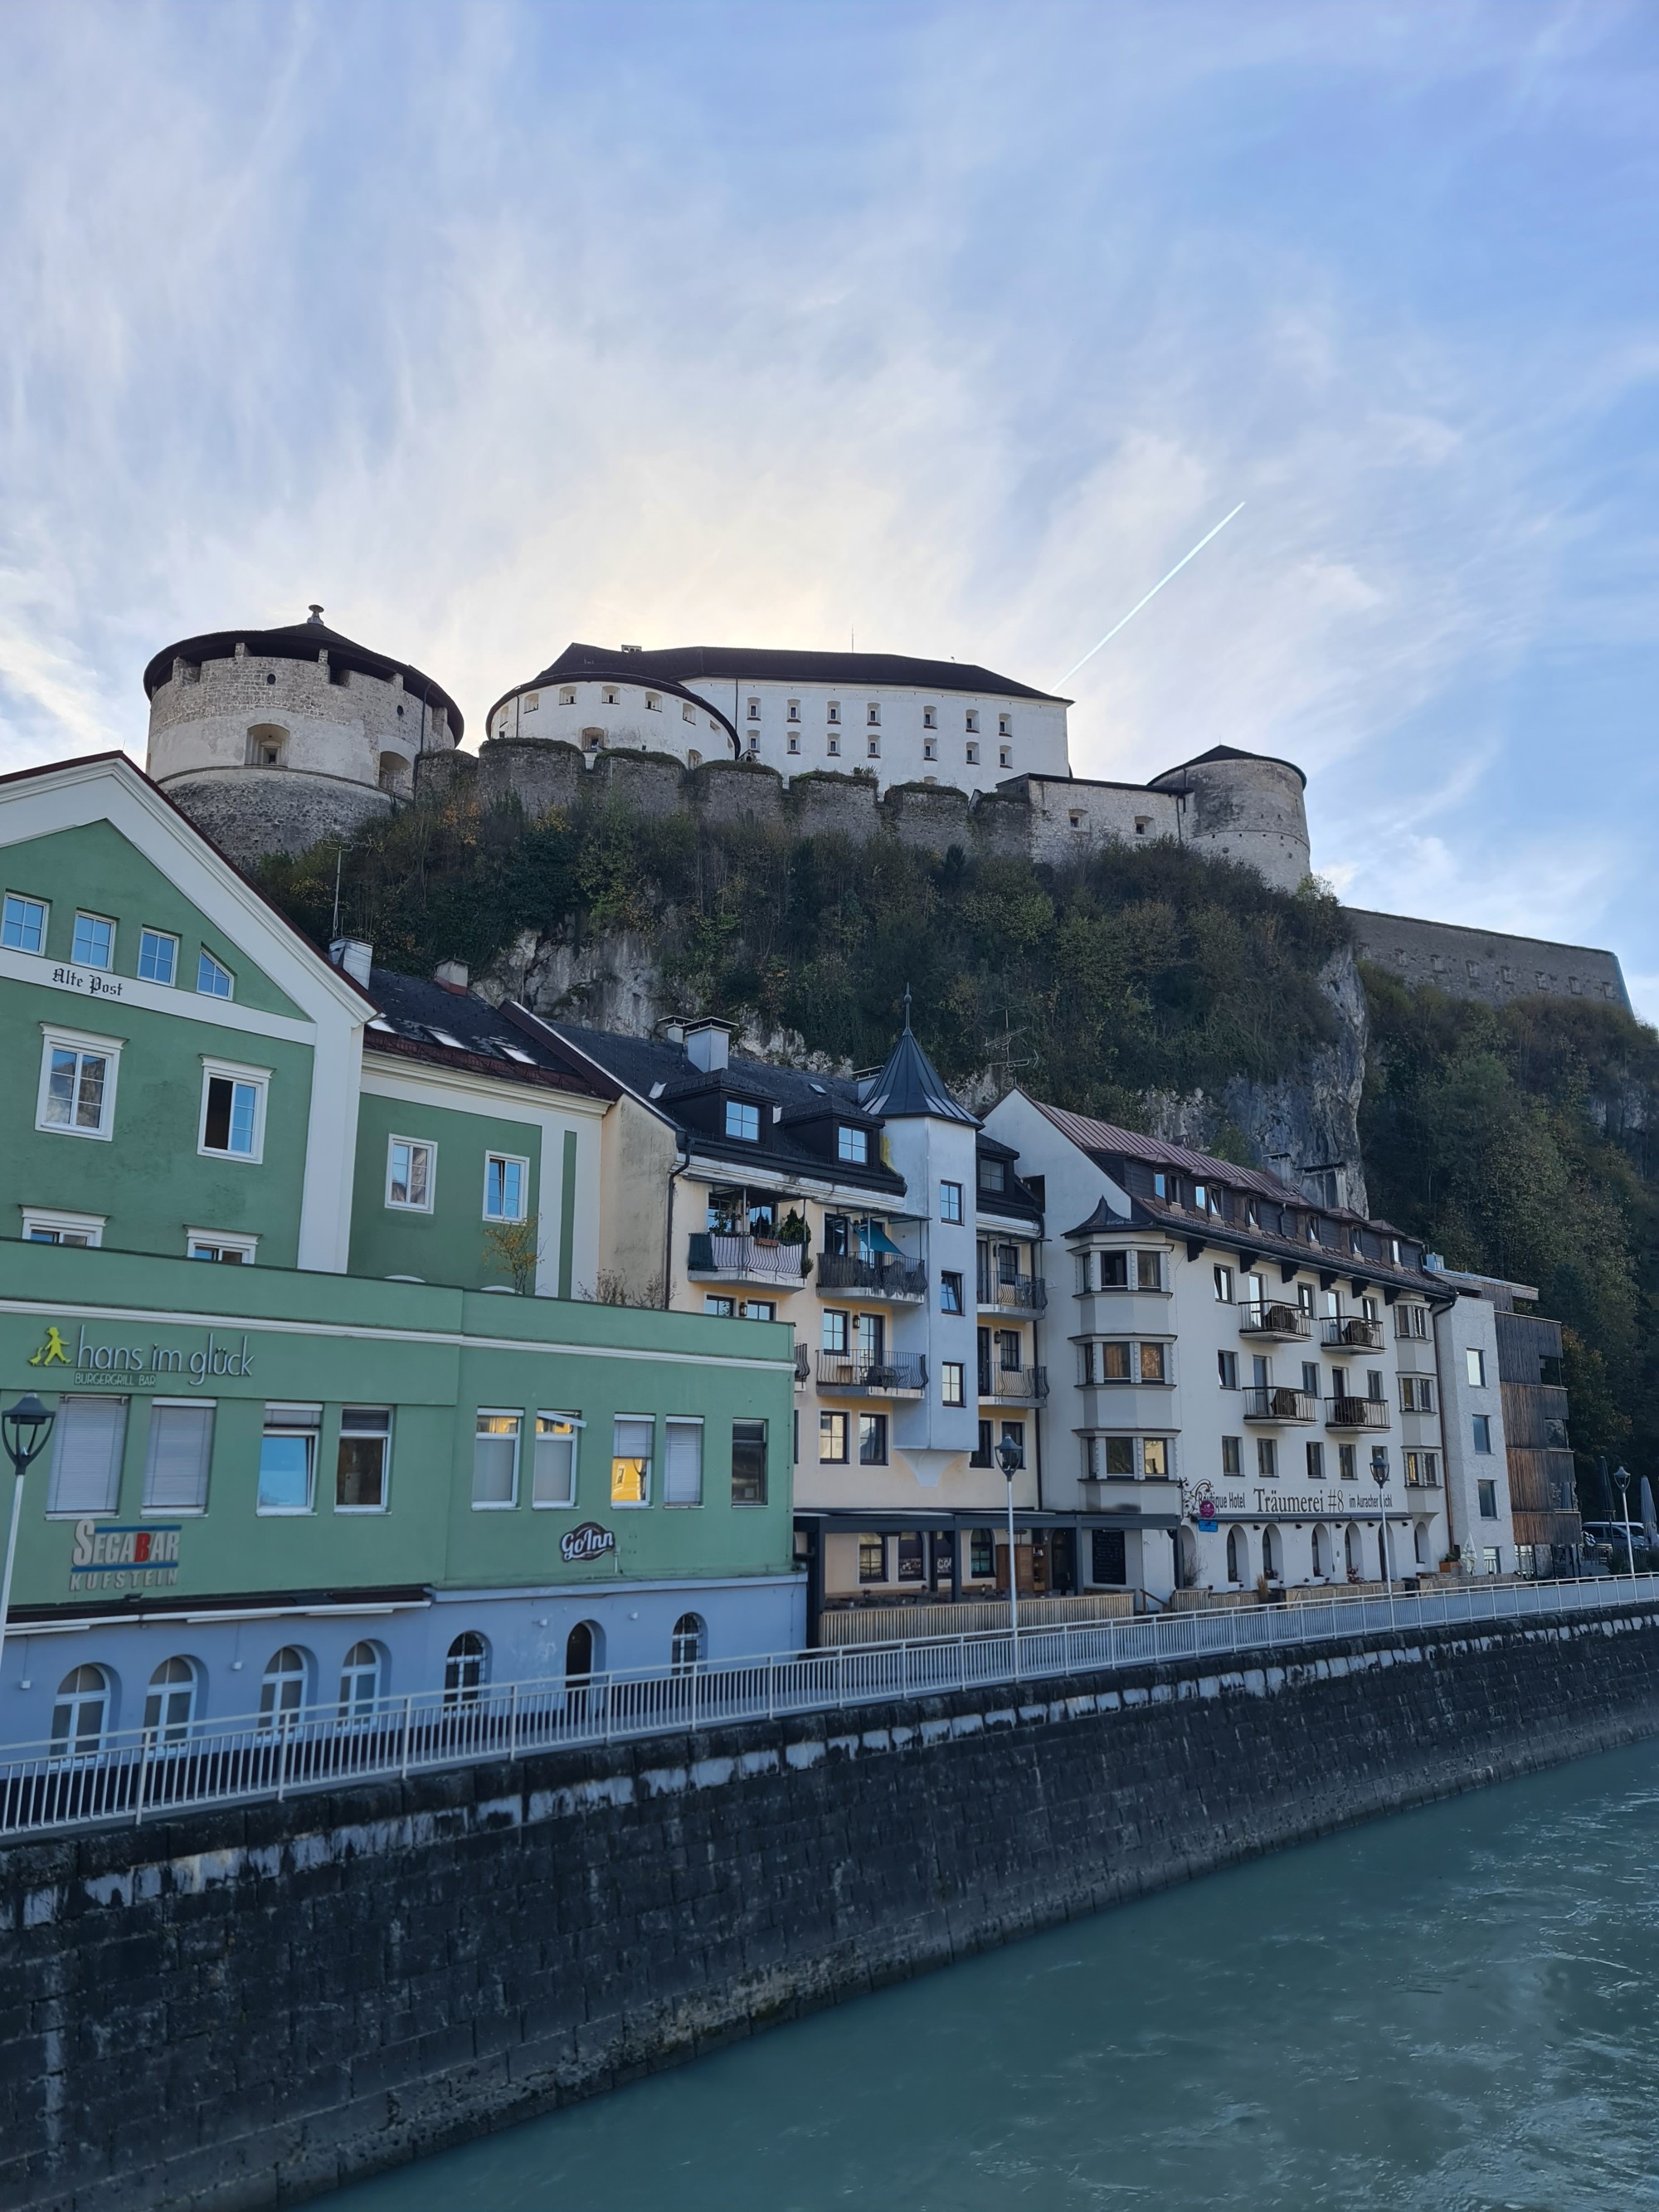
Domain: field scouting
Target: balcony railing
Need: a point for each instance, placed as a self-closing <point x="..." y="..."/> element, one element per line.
<point x="875" y="1378"/>
<point x="744" y="1259"/>
<point x="893" y="1280"/>
<point x="1357" y="1334"/>
<point x="1271" y="1317"/>
<point x="1356" y="1413"/>
<point x="1274" y="1404"/>
<point x="1030" y="1385"/>
<point x="1019" y="1294"/>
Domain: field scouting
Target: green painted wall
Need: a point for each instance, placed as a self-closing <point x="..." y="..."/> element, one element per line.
<point x="433" y="1356"/>
<point x="447" y="1244"/>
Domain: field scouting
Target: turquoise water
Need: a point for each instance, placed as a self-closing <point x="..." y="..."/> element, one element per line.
<point x="1453" y="2009"/>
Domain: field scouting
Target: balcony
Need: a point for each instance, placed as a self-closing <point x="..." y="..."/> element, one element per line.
<point x="1027" y="1294"/>
<point x="872" y="1378"/>
<point x="714" y="1258"/>
<point x="1273" y="1317"/>
<point x="1357" y="1334"/>
<point x="1013" y="1386"/>
<point x="1274" y="1404"/>
<point x="893" y="1282"/>
<point x="1356" y="1413"/>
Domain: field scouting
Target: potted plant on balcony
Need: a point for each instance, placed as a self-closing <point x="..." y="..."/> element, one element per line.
<point x="793" y="1229"/>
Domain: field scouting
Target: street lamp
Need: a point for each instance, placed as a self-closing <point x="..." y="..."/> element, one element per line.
<point x="1011" y="1458"/>
<point x="24" y="1429"/>
<point x="1621" y="1476"/>
<point x="1380" y="1477"/>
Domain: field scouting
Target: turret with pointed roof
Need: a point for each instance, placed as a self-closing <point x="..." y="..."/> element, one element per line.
<point x="911" y="1086"/>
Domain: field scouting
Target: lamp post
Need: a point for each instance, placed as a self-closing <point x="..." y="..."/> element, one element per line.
<point x="1011" y="1458"/>
<point x="1380" y="1477"/>
<point x="1621" y="1476"/>
<point x="24" y="1429"/>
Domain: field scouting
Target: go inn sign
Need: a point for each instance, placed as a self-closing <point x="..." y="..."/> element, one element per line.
<point x="138" y="1367"/>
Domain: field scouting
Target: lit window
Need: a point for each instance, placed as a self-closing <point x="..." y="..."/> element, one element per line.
<point x="77" y="1087"/>
<point x="23" y="924"/>
<point x="158" y="956"/>
<point x="832" y="1439"/>
<point x="952" y="1391"/>
<point x="409" y="1178"/>
<point x="742" y="1121"/>
<point x="94" y="944"/>
<point x="1155" y="1458"/>
<point x="233" y="1113"/>
<point x="213" y="980"/>
<point x="1153" y="1363"/>
<point x="288" y="1459"/>
<point x="504" y="1187"/>
<point x="631" y="1461"/>
<point x="553" y="1480"/>
<point x="949" y="1201"/>
<point x="496" y="1461"/>
<point x="749" y="1462"/>
<point x="853" y="1146"/>
<point x="361" y="1468"/>
<point x="176" y="1464"/>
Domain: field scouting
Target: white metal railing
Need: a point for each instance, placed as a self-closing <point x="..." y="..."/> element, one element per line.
<point x="138" y="1773"/>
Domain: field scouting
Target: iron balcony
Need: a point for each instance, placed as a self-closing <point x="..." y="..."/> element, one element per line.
<point x="1358" y="1334"/>
<point x="744" y="1259"/>
<point x="1356" y="1413"/>
<point x="874" y="1378"/>
<point x="1023" y="1386"/>
<point x="1275" y="1317"/>
<point x="1273" y="1403"/>
<point x="895" y="1282"/>
<point x="1019" y="1294"/>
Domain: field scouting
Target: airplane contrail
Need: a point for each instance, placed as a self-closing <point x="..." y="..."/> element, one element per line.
<point x="1152" y="594"/>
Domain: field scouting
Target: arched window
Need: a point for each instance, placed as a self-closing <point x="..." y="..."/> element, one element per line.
<point x="1273" y="1562"/>
<point x="690" y="1643"/>
<point x="1321" y="1552"/>
<point x="466" y="1668"/>
<point x="1356" y="1563"/>
<point x="584" y="1651"/>
<point x="267" y="745"/>
<point x="170" y="1706"/>
<point x="394" y="772"/>
<point x="284" y="1684"/>
<point x="1236" y="1558"/>
<point x="1420" y="1542"/>
<point x="1185" y="1561"/>
<point x="362" y="1681"/>
<point x="81" y="1713"/>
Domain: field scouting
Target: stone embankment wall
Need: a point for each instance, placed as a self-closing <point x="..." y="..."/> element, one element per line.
<point x="246" y="2008"/>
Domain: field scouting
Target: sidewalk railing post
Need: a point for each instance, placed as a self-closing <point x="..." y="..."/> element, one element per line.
<point x="143" y="1775"/>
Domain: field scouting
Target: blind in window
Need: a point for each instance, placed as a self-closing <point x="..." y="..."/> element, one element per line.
<point x="86" y="1466"/>
<point x="683" y="1464"/>
<point x="176" y="1469"/>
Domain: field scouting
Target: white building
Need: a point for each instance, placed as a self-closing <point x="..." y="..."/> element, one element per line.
<point x="1477" y="1456"/>
<point x="900" y="720"/>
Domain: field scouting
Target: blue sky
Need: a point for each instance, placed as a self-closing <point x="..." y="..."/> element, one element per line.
<point x="952" y="326"/>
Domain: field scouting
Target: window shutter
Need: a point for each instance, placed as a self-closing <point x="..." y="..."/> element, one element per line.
<point x="683" y="1464"/>
<point x="180" y="1446"/>
<point x="86" y="1467"/>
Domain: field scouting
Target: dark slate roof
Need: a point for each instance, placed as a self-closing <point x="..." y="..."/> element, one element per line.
<point x="911" y="1087"/>
<point x="498" y="1041"/>
<point x="692" y="663"/>
<point x="1224" y="753"/>
<point x="301" y="641"/>
<point x="640" y="1064"/>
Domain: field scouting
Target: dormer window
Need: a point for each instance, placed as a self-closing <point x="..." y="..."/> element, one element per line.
<point x="992" y="1175"/>
<point x="1200" y="1199"/>
<point x="852" y="1146"/>
<point x="742" y="1122"/>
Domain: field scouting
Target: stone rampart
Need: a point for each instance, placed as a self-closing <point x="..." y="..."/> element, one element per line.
<point x="1485" y="964"/>
<point x="251" y="2007"/>
<point x="251" y="811"/>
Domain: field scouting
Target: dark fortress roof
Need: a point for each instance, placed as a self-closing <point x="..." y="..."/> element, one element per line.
<point x="303" y="642"/>
<point x="1223" y="753"/>
<point x="689" y="663"/>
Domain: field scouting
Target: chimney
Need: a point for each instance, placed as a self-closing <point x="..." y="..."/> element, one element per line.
<point x="451" y="975"/>
<point x="355" y="956"/>
<point x="707" y="1044"/>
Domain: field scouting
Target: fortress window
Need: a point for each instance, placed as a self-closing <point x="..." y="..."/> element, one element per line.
<point x="270" y="678"/>
<point x="591" y="740"/>
<point x="794" y="742"/>
<point x="1143" y="824"/>
<point x="1508" y="973"/>
<point x="1005" y="726"/>
<point x="568" y="697"/>
<point x="1473" y="969"/>
<point x="93" y="943"/>
<point x="23" y="927"/>
<point x="212" y="979"/>
<point x="834" y="711"/>
<point x="394" y="772"/>
<point x="929" y="719"/>
<point x="835" y="748"/>
<point x="608" y="696"/>
<point x="688" y="713"/>
<point x="875" y="748"/>
<point x="872" y="715"/>
<point x="1572" y="985"/>
<point x="972" y="722"/>
<point x="532" y="701"/>
<point x="1400" y="955"/>
<point x="1075" y="818"/>
<point x="694" y="758"/>
<point x="1004" y="755"/>
<point x="973" y="756"/>
<point x="930" y="749"/>
<point x="400" y="710"/>
<point x="652" y="703"/>
<point x="794" y="710"/>
<point x="158" y="956"/>
<point x="266" y="743"/>
<point x="754" y="710"/>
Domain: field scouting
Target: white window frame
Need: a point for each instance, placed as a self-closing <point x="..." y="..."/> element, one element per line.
<point x="672" y="1422"/>
<point x="226" y="1240"/>
<point x="859" y="1142"/>
<point x="89" y="1225"/>
<point x="27" y="898"/>
<point x="233" y="1071"/>
<point x="98" y="967"/>
<point x="500" y="1414"/>
<point x="576" y="1424"/>
<point x="55" y="1039"/>
<point x="404" y="1205"/>
<point x="147" y="1511"/>
<point x="229" y="974"/>
<point x="162" y="937"/>
<point x="740" y="1106"/>
<point x="519" y="1160"/>
<point x="340" y="1435"/>
<point x="296" y="1424"/>
<point x="633" y="1505"/>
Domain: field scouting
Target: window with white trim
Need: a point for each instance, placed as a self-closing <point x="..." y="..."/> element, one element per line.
<point x="234" y="1251"/>
<point x="77" y="1083"/>
<point x="233" y="1124"/>
<point x="852" y="1145"/>
<point x="41" y="1226"/>
<point x="23" y="923"/>
<point x="410" y="1174"/>
<point x="363" y="1464"/>
<point x="631" y="1443"/>
<point x="496" y="1461"/>
<point x="213" y="978"/>
<point x="748" y="1442"/>
<point x="507" y="1180"/>
<point x="93" y="942"/>
<point x="682" y="1463"/>
<point x="86" y="1456"/>
<point x="553" y="1478"/>
<point x="180" y="1451"/>
<point x="288" y="1459"/>
<point x="158" y="956"/>
<point x="742" y="1121"/>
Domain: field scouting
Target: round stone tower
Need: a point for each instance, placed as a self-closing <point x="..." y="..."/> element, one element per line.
<point x="270" y="740"/>
<point x="1243" y="807"/>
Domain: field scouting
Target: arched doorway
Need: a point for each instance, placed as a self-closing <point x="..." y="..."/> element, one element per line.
<point x="1186" y="1559"/>
<point x="1238" y="1556"/>
<point x="284" y="1685"/>
<point x="1352" y="1554"/>
<point x="170" y="1707"/>
<point x="1321" y="1552"/>
<point x="80" y="1714"/>
<point x="1273" y="1555"/>
<point x="689" y="1647"/>
<point x="584" y="1651"/>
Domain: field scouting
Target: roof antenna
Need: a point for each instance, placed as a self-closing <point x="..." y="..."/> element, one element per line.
<point x="316" y="612"/>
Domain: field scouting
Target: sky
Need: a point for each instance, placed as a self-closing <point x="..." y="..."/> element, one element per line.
<point x="946" y="327"/>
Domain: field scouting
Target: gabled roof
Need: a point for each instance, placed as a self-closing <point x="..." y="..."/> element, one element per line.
<point x="911" y="1087"/>
<point x="692" y="664"/>
<point x="494" y="1041"/>
<point x="1098" y="1138"/>
<point x="301" y="641"/>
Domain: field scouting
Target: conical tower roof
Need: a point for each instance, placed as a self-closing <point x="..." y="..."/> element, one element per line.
<point x="911" y="1086"/>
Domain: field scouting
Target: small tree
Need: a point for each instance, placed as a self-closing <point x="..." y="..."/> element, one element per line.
<point x="515" y="1247"/>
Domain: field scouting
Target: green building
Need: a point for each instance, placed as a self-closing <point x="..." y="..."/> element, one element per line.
<point x="305" y="1259"/>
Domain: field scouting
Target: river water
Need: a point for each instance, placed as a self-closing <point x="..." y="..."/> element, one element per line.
<point x="1452" y="2010"/>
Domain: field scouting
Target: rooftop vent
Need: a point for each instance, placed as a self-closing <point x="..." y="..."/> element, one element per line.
<point x="316" y="612"/>
<point x="355" y="956"/>
<point x="451" y="975"/>
<point x="630" y="648"/>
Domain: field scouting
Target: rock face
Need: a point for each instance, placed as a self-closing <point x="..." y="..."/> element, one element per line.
<point x="1304" y="1127"/>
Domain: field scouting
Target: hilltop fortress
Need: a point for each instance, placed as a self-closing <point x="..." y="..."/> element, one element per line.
<point x="272" y="739"/>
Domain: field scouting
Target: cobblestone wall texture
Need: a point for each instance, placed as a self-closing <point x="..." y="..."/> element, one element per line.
<point x="245" y="2008"/>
